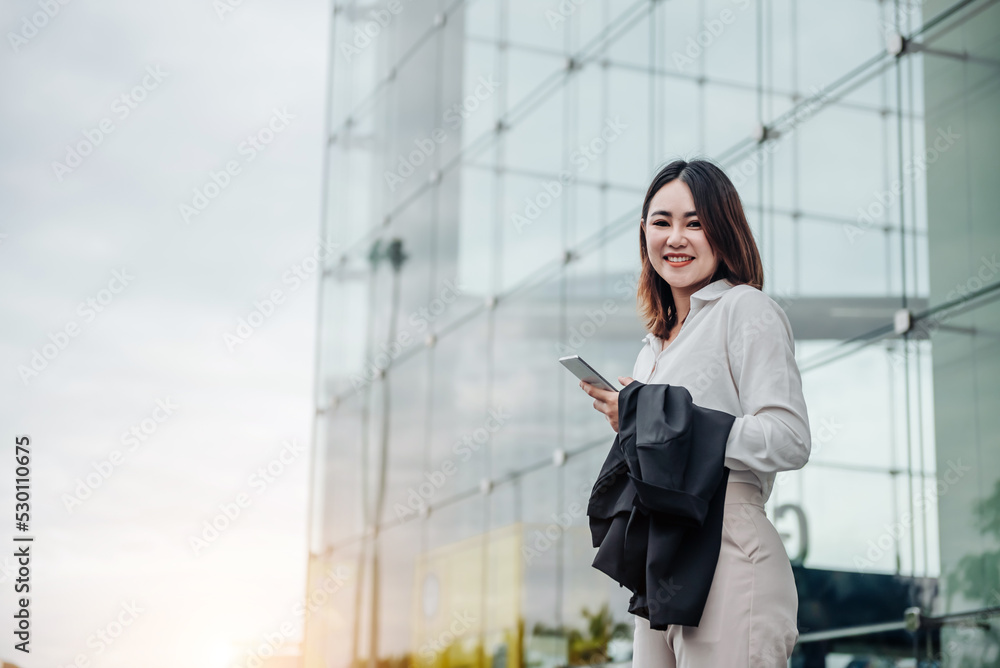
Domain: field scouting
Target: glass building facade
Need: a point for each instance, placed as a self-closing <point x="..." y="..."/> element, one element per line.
<point x="484" y="172"/>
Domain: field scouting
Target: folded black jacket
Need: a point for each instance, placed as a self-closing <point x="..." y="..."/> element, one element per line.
<point x="657" y="505"/>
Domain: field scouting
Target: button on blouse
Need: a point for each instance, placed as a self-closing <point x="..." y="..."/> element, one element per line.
<point x="735" y="353"/>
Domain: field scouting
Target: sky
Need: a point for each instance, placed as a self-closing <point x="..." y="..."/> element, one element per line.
<point x="160" y="169"/>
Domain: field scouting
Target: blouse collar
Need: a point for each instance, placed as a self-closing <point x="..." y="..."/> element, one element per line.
<point x="708" y="293"/>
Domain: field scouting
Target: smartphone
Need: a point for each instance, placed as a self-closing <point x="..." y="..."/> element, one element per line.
<point x="585" y="372"/>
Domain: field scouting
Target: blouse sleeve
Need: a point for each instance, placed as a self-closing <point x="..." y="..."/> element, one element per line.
<point x="773" y="433"/>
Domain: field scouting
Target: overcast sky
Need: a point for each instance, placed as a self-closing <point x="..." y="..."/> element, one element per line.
<point x="150" y="351"/>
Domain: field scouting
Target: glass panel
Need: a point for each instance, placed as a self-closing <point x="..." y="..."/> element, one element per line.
<point x="341" y="482"/>
<point x="829" y="144"/>
<point x="541" y="25"/>
<point x="535" y="143"/>
<point x="730" y="118"/>
<point x="833" y="40"/>
<point x="727" y="41"/>
<point x="623" y="139"/>
<point x="449" y="587"/>
<point x="681" y="124"/>
<point x="963" y="100"/>
<point x="409" y="486"/>
<point x="399" y="590"/>
<point x="527" y="71"/>
<point x="476" y="258"/>
<point x="631" y="44"/>
<point x="542" y="583"/>
<point x="827" y="252"/>
<point x="474" y="114"/>
<point x="460" y="416"/>
<point x="531" y="227"/>
<point x="527" y="376"/>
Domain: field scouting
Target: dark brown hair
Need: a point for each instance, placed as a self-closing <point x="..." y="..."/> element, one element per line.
<point x="721" y="215"/>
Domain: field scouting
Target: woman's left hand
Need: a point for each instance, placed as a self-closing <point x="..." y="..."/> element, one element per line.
<point x="606" y="401"/>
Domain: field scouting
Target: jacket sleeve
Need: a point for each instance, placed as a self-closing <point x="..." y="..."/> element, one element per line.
<point x="773" y="433"/>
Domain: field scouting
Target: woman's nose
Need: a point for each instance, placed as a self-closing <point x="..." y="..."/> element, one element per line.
<point x="676" y="235"/>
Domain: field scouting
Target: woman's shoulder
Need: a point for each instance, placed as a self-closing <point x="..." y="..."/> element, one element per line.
<point x="743" y="295"/>
<point x="745" y="303"/>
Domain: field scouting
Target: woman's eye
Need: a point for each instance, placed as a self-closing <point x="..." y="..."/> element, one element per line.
<point x="695" y="222"/>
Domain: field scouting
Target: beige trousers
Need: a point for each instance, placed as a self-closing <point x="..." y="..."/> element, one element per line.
<point x="749" y="617"/>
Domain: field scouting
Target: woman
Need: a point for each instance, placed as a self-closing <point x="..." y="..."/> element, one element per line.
<point x="714" y="332"/>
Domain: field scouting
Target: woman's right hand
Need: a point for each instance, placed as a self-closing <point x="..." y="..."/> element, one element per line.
<point x="606" y="401"/>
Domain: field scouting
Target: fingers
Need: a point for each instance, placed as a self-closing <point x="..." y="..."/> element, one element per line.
<point x="625" y="380"/>
<point x="603" y="395"/>
<point x="605" y="401"/>
<point x="605" y="408"/>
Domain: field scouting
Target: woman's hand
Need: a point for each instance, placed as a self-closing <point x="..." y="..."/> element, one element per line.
<point x="606" y="401"/>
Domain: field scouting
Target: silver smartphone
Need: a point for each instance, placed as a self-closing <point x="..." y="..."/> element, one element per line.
<point x="585" y="372"/>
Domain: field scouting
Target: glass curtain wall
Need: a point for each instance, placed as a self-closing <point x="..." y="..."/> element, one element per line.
<point x="962" y="92"/>
<point x="484" y="172"/>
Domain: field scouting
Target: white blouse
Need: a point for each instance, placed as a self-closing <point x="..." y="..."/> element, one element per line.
<point x="735" y="353"/>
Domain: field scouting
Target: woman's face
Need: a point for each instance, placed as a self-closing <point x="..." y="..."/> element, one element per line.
<point x="675" y="240"/>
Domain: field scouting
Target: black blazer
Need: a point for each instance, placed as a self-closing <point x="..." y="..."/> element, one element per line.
<point x="657" y="505"/>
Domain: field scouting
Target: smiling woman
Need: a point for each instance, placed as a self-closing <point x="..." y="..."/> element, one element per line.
<point x="691" y="210"/>
<point x="713" y="332"/>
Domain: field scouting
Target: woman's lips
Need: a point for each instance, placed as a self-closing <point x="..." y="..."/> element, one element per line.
<point x="679" y="264"/>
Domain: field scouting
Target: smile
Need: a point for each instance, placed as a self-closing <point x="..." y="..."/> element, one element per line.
<point x="679" y="260"/>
